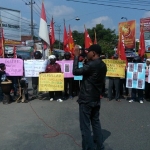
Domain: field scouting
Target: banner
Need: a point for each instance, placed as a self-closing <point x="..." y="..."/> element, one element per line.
<point x="115" y="68"/>
<point x="51" y="82"/>
<point x="79" y="77"/>
<point x="33" y="67"/>
<point x="145" y="22"/>
<point x="136" y="76"/>
<point x="14" y="67"/>
<point x="66" y="68"/>
<point x="127" y="29"/>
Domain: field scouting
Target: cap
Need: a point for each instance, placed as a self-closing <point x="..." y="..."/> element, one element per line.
<point x="96" y="48"/>
<point x="52" y="57"/>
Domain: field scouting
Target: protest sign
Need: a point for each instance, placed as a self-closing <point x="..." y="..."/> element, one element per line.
<point x="66" y="68"/>
<point x="149" y="75"/>
<point x="79" y="77"/>
<point x="33" y="67"/>
<point x="115" y="68"/>
<point x="51" y="82"/>
<point x="14" y="67"/>
<point x="135" y="76"/>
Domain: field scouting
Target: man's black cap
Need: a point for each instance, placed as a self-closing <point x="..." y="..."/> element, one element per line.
<point x="96" y="48"/>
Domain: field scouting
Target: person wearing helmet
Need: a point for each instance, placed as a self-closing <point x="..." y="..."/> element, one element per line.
<point x="37" y="55"/>
<point x="136" y="59"/>
<point x="54" y="67"/>
<point x="68" y="82"/>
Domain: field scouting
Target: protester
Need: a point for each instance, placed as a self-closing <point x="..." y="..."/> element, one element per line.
<point x="147" y="85"/>
<point x="54" y="67"/>
<point x="114" y="82"/>
<point x="134" y="91"/>
<point x="94" y="73"/>
<point x="37" y="55"/>
<point x="68" y="82"/>
<point x="3" y="78"/>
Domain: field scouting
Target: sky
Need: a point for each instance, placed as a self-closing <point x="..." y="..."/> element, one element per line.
<point x="89" y="14"/>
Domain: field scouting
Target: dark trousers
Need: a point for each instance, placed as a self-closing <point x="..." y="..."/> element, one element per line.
<point x="68" y="82"/>
<point x="55" y="95"/>
<point x="76" y="87"/>
<point x="123" y="86"/>
<point x="114" y="82"/>
<point x="147" y="90"/>
<point x="139" y="92"/>
<point x="35" y="86"/>
<point x="89" y="116"/>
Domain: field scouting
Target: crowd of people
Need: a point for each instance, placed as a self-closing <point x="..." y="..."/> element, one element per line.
<point x="116" y="87"/>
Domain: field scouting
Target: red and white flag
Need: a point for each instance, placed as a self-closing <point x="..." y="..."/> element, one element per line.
<point x="87" y="39"/>
<point x="43" y="31"/>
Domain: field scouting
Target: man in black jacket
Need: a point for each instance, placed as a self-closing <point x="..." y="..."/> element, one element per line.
<point x="94" y="73"/>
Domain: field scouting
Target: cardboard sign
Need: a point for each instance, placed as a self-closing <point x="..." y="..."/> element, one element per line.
<point x="136" y="76"/>
<point x="115" y="68"/>
<point x="33" y="67"/>
<point x="66" y="68"/>
<point x="51" y="82"/>
<point x="14" y="67"/>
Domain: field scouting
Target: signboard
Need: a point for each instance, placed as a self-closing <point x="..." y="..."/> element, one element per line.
<point x="14" y="67"/>
<point x="51" y="82"/>
<point x="11" y="23"/>
<point x="135" y="76"/>
<point x="66" y="68"/>
<point x="145" y="22"/>
<point x="127" y="29"/>
<point x="115" y="68"/>
<point x="33" y="67"/>
<point x="147" y="45"/>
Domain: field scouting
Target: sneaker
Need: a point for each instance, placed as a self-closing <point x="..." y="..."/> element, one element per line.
<point x="131" y="101"/>
<point x="51" y="99"/>
<point x="59" y="100"/>
<point x="141" y="101"/>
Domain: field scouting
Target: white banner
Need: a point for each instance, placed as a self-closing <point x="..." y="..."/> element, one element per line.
<point x="33" y="67"/>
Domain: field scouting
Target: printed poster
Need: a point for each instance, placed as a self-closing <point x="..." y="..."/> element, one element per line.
<point x="79" y="77"/>
<point x="136" y="76"/>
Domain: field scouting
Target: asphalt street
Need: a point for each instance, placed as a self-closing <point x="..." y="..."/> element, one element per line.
<point x="45" y="125"/>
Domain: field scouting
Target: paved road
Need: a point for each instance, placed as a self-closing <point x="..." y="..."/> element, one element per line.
<point x="125" y="126"/>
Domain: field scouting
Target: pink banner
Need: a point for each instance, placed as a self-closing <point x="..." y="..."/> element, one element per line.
<point x="14" y="67"/>
<point x="66" y="68"/>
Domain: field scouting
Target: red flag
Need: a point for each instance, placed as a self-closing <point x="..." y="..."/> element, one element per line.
<point x="65" y="39"/>
<point x="95" y="40"/>
<point x="15" y="53"/>
<point x="1" y="42"/>
<point x="141" y="51"/>
<point x="52" y="34"/>
<point x="122" y="49"/>
<point x="87" y="39"/>
<point x="71" y="41"/>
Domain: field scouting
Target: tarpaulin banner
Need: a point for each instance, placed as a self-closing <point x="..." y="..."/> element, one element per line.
<point x="127" y="29"/>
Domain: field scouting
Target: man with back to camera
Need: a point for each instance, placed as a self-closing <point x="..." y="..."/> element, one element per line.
<point x="94" y="73"/>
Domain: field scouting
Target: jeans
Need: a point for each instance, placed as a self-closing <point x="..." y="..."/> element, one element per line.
<point x="89" y="116"/>
<point x="139" y="92"/>
<point x="35" y="86"/>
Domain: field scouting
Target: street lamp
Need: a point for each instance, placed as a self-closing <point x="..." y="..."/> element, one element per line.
<point x="77" y="18"/>
<point x="124" y="18"/>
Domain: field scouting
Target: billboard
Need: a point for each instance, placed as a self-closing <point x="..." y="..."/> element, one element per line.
<point x="127" y="29"/>
<point x="11" y="23"/>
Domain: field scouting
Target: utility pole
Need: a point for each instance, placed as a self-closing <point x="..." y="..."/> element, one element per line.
<point x="32" y="31"/>
<point x="58" y="33"/>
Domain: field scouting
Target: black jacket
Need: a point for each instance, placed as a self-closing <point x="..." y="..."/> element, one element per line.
<point x="94" y="73"/>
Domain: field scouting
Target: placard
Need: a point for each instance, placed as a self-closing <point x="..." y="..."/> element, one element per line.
<point x="33" y="67"/>
<point x="14" y="67"/>
<point x="51" y="82"/>
<point x="115" y="68"/>
<point x="136" y="75"/>
<point x="66" y="68"/>
<point x="80" y="64"/>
